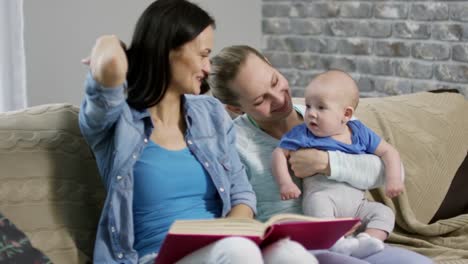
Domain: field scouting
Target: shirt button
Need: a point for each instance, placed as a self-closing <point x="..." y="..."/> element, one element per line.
<point x="189" y="142"/>
<point x="134" y="156"/>
<point x="145" y="140"/>
<point x="206" y="164"/>
<point x="221" y="189"/>
<point x="119" y="178"/>
<point x="113" y="229"/>
<point x="120" y="255"/>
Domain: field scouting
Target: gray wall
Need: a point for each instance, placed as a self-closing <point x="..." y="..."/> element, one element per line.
<point x="58" y="34"/>
<point x="390" y="47"/>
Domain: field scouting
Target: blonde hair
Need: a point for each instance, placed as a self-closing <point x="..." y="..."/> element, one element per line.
<point x="224" y="68"/>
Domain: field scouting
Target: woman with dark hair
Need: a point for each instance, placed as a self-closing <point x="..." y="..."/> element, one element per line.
<point x="165" y="152"/>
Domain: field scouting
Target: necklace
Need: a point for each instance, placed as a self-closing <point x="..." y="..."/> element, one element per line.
<point x="253" y="122"/>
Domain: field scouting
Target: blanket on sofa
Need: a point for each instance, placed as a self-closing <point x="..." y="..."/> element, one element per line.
<point x="431" y="133"/>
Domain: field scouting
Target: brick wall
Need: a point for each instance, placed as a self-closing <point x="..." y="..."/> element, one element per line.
<point x="389" y="47"/>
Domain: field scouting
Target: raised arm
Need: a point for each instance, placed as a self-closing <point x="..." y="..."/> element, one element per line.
<point x="104" y="95"/>
<point x="108" y="62"/>
<point x="361" y="171"/>
<point x="104" y="99"/>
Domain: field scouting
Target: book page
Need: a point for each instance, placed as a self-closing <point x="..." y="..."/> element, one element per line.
<point x="281" y="218"/>
<point x="223" y="226"/>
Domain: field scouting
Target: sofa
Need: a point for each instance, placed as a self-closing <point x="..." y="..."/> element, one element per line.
<point x="51" y="190"/>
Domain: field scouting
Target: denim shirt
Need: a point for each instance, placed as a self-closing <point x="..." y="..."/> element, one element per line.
<point x="117" y="135"/>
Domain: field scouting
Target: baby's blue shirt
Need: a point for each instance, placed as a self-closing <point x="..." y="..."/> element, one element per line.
<point x="363" y="140"/>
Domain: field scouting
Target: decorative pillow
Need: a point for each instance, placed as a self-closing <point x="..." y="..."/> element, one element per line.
<point x="49" y="183"/>
<point x="15" y="247"/>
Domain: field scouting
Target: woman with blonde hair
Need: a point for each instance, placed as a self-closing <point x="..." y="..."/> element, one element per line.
<point x="244" y="80"/>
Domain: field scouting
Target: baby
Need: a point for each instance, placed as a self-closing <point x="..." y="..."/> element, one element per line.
<point x="331" y="99"/>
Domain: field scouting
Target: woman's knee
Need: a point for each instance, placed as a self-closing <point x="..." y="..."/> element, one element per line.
<point x="394" y="254"/>
<point x="287" y="251"/>
<point x="237" y="250"/>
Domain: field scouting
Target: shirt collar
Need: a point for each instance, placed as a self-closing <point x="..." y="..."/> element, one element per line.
<point x="188" y="112"/>
<point x="140" y="114"/>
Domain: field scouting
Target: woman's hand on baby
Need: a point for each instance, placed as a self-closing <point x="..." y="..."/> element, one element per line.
<point x="108" y="61"/>
<point x="307" y="162"/>
<point x="289" y="191"/>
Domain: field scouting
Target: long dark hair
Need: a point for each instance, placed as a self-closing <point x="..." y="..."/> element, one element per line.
<point x="164" y="26"/>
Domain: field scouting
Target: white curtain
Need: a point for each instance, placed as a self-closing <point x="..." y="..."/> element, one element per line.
<point x="12" y="56"/>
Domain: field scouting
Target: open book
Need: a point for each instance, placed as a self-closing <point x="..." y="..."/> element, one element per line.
<point x="186" y="236"/>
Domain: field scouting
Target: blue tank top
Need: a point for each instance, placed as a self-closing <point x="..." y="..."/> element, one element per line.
<point x="169" y="185"/>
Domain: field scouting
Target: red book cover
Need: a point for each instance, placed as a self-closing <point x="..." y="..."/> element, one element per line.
<point x="316" y="234"/>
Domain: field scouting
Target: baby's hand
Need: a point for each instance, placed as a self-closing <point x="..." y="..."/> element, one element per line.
<point x="393" y="188"/>
<point x="289" y="191"/>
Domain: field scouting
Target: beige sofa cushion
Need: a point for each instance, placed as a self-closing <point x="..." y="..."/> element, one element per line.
<point x="50" y="185"/>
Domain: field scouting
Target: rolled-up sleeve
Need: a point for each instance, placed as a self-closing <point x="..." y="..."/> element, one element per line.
<point x="100" y="109"/>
